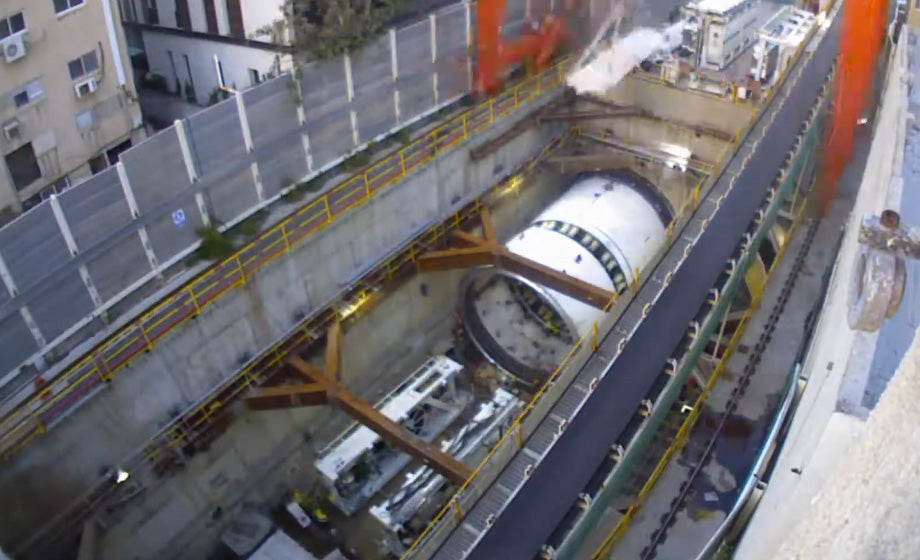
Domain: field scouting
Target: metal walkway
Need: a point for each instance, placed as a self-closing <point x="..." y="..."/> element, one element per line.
<point x="513" y="519"/>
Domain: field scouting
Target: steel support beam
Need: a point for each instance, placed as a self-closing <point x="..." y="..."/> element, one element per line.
<point x="694" y="163"/>
<point x="452" y="259"/>
<point x="394" y="433"/>
<point x="576" y="116"/>
<point x="465" y="240"/>
<point x="333" y="354"/>
<point x="591" y="162"/>
<point x="488" y="228"/>
<point x="287" y="396"/>
<point x="325" y="388"/>
<point x="488" y="251"/>
<point x="556" y="280"/>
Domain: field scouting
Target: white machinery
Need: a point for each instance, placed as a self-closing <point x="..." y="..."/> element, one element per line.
<point x="603" y="230"/>
<point x="359" y="462"/>
<point x="778" y="41"/>
<point x="718" y="31"/>
<point x="406" y="512"/>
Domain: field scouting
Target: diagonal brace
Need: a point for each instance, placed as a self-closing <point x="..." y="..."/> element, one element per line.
<point x="287" y="396"/>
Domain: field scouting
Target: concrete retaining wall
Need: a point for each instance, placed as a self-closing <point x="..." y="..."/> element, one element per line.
<point x="182" y="368"/>
<point x="265" y="455"/>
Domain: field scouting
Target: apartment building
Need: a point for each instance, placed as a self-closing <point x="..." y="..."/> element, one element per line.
<point x="195" y="46"/>
<point x="68" y="105"/>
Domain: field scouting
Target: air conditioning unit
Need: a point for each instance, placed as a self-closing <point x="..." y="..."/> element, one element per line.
<point x="14" y="48"/>
<point x="11" y="129"/>
<point x="86" y="87"/>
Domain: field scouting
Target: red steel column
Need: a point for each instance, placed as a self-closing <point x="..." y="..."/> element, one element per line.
<point x="860" y="42"/>
<point x="490" y="16"/>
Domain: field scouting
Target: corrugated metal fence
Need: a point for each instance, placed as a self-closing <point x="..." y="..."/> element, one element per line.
<point x="73" y="264"/>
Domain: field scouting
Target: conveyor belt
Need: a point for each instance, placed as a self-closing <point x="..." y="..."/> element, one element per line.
<point x="525" y="523"/>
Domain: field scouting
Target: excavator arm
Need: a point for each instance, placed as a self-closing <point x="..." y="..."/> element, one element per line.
<point x="495" y="56"/>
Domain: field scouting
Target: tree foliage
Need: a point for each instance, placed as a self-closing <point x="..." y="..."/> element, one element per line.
<point x="323" y="29"/>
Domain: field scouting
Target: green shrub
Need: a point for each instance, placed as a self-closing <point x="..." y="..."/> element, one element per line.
<point x="214" y="244"/>
<point x="358" y="161"/>
<point x="313" y="185"/>
<point x="293" y="195"/>
<point x="402" y="136"/>
<point x="251" y="226"/>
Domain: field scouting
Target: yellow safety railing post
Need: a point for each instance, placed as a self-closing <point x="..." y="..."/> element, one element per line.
<point x="147" y="341"/>
<point x="696" y="196"/>
<point x="38" y="423"/>
<point x="284" y="235"/>
<point x="594" y="337"/>
<point x="191" y="295"/>
<point x="327" y="209"/>
<point x="519" y="432"/>
<point x="154" y="318"/>
<point x="104" y="372"/>
<point x="239" y="266"/>
<point x="455" y="506"/>
<point x="635" y="283"/>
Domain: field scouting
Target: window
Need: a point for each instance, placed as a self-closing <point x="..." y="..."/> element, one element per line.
<point x="11" y="25"/>
<point x="32" y="92"/>
<point x="175" y="74"/>
<point x="85" y="120"/>
<point x="129" y="10"/>
<point x="23" y="166"/>
<point x="86" y="64"/>
<point x="114" y="154"/>
<point x="61" y="6"/>
<point x="183" y="18"/>
<point x="188" y="70"/>
<point x="151" y="13"/>
<point x="97" y="164"/>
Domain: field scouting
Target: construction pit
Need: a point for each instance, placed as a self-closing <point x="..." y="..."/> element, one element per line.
<point x="411" y="349"/>
<point x="622" y="165"/>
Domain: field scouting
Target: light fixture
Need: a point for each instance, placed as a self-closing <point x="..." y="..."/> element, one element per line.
<point x="121" y="475"/>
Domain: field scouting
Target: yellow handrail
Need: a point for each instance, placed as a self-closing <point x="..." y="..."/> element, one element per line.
<point x="100" y="365"/>
<point x="606" y="547"/>
<point x="685" y="210"/>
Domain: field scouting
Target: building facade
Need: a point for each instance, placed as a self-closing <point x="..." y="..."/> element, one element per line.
<point x="193" y="47"/>
<point x="68" y="105"/>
